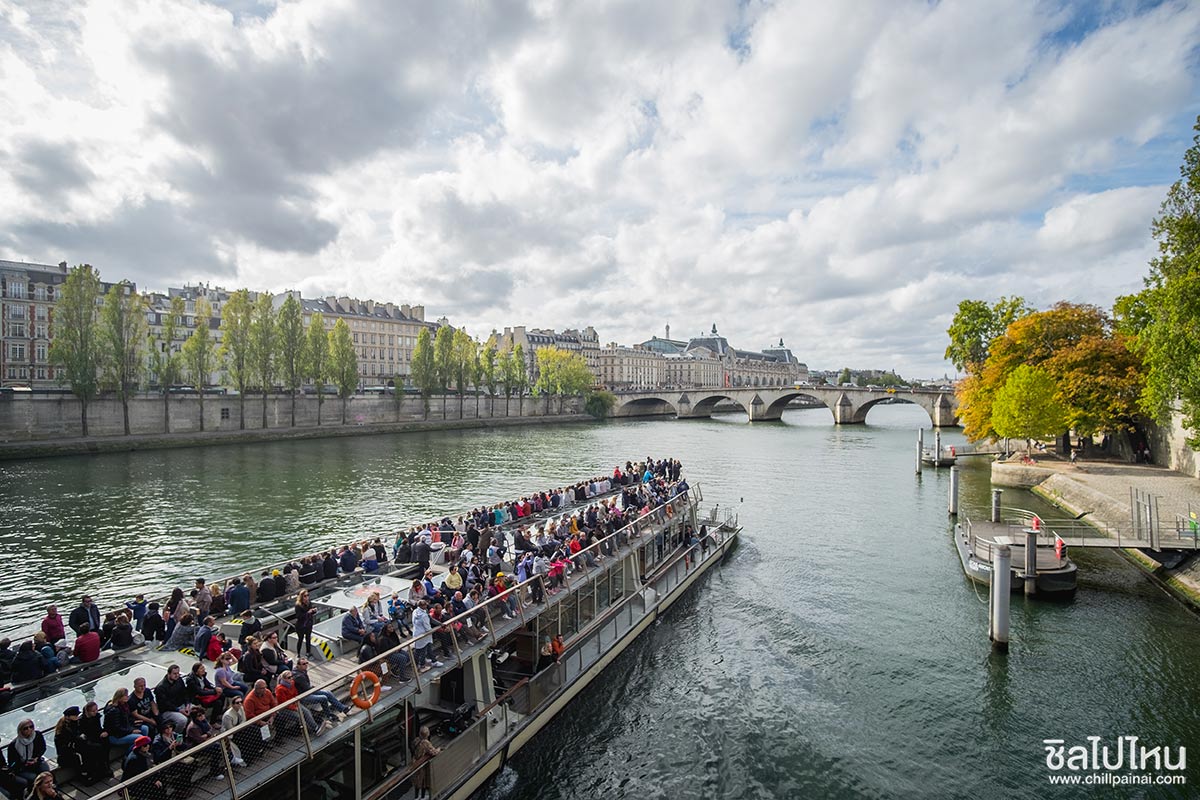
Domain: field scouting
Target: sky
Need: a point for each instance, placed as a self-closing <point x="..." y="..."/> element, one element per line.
<point x="838" y="175"/>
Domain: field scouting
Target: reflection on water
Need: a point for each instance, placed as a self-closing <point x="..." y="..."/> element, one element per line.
<point x="839" y="653"/>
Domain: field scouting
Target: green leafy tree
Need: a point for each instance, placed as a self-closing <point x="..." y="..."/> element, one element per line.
<point x="236" y="318"/>
<point x="488" y="373"/>
<point x="844" y="377"/>
<point x="548" y="361"/>
<point x="976" y="325"/>
<point x="463" y="361"/>
<point x="199" y="352"/>
<point x="316" y="358"/>
<point x="76" y="347"/>
<point x="167" y="363"/>
<point x="343" y="362"/>
<point x="443" y="360"/>
<point x="263" y="340"/>
<point x="1027" y="406"/>
<point x="424" y="371"/>
<point x="123" y="334"/>
<point x="508" y="376"/>
<point x="1166" y="315"/>
<point x="574" y="378"/>
<point x="520" y="377"/>
<point x="289" y="334"/>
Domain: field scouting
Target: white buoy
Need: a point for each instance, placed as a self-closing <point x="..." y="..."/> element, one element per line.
<point x="953" y="505"/>
<point x="1000" y="597"/>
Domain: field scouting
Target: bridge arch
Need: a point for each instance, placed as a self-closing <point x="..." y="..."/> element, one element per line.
<point x="774" y="410"/>
<point x="645" y="406"/>
<point x="859" y="414"/>
<point x="702" y="405"/>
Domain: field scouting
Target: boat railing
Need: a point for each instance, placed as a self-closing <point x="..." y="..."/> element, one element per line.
<point x="302" y="746"/>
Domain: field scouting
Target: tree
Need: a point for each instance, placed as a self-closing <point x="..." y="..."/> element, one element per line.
<point x="1168" y="333"/>
<point x="289" y="334"/>
<point x="475" y="375"/>
<point x="236" y="317"/>
<point x="844" y="378"/>
<point x="520" y="377"/>
<point x="1027" y="406"/>
<point x="424" y="371"/>
<point x="167" y="363"/>
<point x="123" y="335"/>
<point x="316" y="358"/>
<point x="548" y="361"/>
<point x="976" y="325"/>
<point x="443" y="361"/>
<point x="462" y="361"/>
<point x="508" y="376"/>
<point x="76" y="346"/>
<point x="573" y="378"/>
<point x="343" y="362"/>
<point x="487" y="364"/>
<point x="1096" y="375"/>
<point x="199" y="352"/>
<point x="262" y="346"/>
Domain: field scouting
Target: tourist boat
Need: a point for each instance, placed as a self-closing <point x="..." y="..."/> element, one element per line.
<point x="976" y="541"/>
<point x="484" y="704"/>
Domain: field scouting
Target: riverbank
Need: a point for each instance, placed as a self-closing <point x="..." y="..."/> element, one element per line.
<point x="1099" y="491"/>
<point x="12" y="451"/>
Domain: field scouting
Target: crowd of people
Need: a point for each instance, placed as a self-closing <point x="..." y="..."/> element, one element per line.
<point x="490" y="550"/>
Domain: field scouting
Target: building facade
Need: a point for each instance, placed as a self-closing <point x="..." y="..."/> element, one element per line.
<point x="710" y="360"/>
<point x="622" y="367"/>
<point x="585" y="342"/>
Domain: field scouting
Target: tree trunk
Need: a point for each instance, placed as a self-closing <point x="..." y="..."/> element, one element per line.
<point x="461" y="399"/>
<point x="293" y="408"/>
<point x="320" y="402"/>
<point x="241" y="408"/>
<point x="166" y="411"/>
<point x="444" y="394"/>
<point x="202" y="412"/>
<point x="491" y="405"/>
<point x="264" y="408"/>
<point x="344" y="399"/>
<point x="476" y="402"/>
<point x="125" y="411"/>
<point x="506" y="399"/>
<point x="83" y="415"/>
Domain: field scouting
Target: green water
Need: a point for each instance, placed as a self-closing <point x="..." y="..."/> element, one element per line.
<point x="838" y="653"/>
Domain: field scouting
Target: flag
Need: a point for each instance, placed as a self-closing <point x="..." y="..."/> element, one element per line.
<point x="1060" y="547"/>
<point x="1037" y="523"/>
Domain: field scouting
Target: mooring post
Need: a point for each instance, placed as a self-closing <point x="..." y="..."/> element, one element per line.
<point x="1000" y="597"/>
<point x="996" y="504"/>
<point x="953" y="506"/>
<point x="920" y="447"/>
<point x="1030" y="562"/>
<point x="937" y="448"/>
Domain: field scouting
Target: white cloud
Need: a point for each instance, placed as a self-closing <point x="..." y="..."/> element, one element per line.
<point x="838" y="174"/>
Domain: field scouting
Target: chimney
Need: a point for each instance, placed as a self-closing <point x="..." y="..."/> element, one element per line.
<point x="406" y="309"/>
<point x="370" y="306"/>
<point x="418" y="313"/>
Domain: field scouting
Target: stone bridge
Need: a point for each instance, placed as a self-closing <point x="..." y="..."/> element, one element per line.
<point x="849" y="404"/>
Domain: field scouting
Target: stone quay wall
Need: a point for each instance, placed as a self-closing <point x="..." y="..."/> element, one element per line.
<point x="46" y="418"/>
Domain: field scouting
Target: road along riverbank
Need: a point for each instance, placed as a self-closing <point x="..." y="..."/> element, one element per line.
<point x="1099" y="494"/>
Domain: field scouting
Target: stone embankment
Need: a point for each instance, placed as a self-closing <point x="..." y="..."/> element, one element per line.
<point x="39" y="427"/>
<point x="1100" y="492"/>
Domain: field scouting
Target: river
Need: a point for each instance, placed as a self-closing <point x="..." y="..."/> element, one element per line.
<point x="838" y="653"/>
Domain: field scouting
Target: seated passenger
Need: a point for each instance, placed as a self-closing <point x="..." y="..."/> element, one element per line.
<point x="154" y="629"/>
<point x="122" y="633"/>
<point x="26" y="753"/>
<point x="352" y="626"/>
<point x="87" y="645"/>
<point x="183" y="636"/>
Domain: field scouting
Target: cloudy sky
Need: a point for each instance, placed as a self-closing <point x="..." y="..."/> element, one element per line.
<point x="838" y="174"/>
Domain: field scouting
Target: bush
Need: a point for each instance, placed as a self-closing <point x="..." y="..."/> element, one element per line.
<point x="599" y="403"/>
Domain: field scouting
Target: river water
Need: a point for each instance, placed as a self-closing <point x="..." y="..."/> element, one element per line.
<point x="839" y="652"/>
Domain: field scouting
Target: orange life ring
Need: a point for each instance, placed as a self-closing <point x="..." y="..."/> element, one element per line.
<point x="376" y="689"/>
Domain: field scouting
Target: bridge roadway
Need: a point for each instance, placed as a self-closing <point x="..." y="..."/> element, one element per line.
<point x="849" y="404"/>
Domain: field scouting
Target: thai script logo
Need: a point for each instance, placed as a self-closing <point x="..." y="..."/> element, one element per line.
<point x="1125" y="755"/>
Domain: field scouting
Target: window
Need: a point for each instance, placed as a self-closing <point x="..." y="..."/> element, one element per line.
<point x="40" y="351"/>
<point x="41" y="332"/>
<point x="41" y="373"/>
<point x="41" y="313"/>
<point x="39" y="292"/>
<point x="224" y="413"/>
<point x="16" y="329"/>
<point x="16" y="351"/>
<point x="16" y="312"/>
<point x="16" y="289"/>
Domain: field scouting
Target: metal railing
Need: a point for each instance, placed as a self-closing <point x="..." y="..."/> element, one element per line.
<point x="302" y="744"/>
